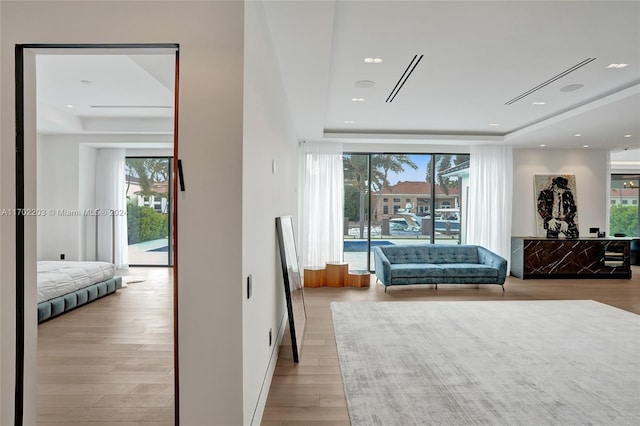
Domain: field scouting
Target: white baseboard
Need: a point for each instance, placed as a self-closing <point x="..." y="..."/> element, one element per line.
<point x="266" y="384"/>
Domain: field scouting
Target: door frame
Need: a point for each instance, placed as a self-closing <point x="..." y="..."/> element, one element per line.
<point x="20" y="90"/>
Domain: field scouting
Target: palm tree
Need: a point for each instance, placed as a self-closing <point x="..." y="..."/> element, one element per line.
<point x="382" y="165"/>
<point x="149" y="171"/>
<point x="356" y="171"/>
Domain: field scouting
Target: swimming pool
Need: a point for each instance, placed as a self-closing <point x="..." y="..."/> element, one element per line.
<point x="360" y="245"/>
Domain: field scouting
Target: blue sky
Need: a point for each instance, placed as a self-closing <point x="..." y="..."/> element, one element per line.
<point x="412" y="175"/>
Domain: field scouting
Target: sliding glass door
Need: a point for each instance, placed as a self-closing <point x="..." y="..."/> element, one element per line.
<point x="356" y="210"/>
<point x="149" y="197"/>
<point x="624" y="217"/>
<point x="402" y="199"/>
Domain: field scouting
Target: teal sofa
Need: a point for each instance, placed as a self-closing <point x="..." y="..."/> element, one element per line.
<point x="438" y="264"/>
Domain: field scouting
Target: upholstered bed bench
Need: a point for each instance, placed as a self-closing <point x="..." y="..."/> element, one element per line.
<point x="53" y="307"/>
<point x="438" y="264"/>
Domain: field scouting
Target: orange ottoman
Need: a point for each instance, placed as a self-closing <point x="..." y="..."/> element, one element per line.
<point x="337" y="274"/>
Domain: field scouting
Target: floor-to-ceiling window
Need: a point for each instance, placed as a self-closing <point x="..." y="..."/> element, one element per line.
<point x="148" y="182"/>
<point x="624" y="216"/>
<point x="402" y="199"/>
<point x="357" y="227"/>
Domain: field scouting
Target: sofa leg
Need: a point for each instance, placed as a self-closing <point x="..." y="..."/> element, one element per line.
<point x="502" y="285"/>
<point x="385" y="288"/>
<point x="436" y="286"/>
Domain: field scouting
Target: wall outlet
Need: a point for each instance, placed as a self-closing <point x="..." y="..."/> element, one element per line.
<point x="249" y="285"/>
<point x="270" y="337"/>
<point x="61" y="256"/>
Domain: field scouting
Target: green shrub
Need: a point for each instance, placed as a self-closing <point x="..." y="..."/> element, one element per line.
<point x="145" y="224"/>
<point x="624" y="220"/>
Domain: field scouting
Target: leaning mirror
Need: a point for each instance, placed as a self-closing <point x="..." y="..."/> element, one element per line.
<point x="292" y="283"/>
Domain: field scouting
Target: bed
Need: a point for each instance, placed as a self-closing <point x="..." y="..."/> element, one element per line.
<point x="65" y="285"/>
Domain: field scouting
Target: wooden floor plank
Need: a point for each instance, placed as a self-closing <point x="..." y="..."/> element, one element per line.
<point x="111" y="363"/>
<point x="310" y="393"/>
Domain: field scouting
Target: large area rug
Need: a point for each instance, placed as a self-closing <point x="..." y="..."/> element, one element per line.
<point x="489" y="363"/>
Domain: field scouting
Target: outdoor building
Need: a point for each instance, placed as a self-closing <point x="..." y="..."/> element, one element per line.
<point x="418" y="194"/>
<point x="156" y="199"/>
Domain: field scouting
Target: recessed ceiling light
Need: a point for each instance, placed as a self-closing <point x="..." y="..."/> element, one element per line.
<point x="578" y="134"/>
<point x="69" y="106"/>
<point x="627" y="136"/>
<point x="571" y="87"/>
<point x="585" y="146"/>
<point x="364" y="84"/>
<point x="539" y="103"/>
<point x="357" y="99"/>
<point x="617" y="65"/>
<point x="372" y="60"/>
<point x="349" y="122"/>
<point x="494" y="124"/>
<point x="87" y="82"/>
<point x="543" y="144"/>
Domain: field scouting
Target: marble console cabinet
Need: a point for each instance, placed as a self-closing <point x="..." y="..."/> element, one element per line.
<point x="533" y="257"/>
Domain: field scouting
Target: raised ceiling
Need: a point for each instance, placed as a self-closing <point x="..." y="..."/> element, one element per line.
<point x="107" y="98"/>
<point x="475" y="57"/>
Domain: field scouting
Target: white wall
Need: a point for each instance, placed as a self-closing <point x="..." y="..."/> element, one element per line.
<point x="6" y="342"/>
<point x="210" y="276"/>
<point x="66" y="166"/>
<point x="268" y="138"/>
<point x="147" y="152"/>
<point x="626" y="161"/>
<point x="58" y="188"/>
<point x="591" y="170"/>
<point x="412" y="147"/>
<point x="8" y="226"/>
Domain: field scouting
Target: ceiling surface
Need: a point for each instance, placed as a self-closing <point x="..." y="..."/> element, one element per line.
<point x="109" y="99"/>
<point x="474" y="58"/>
<point x="480" y="72"/>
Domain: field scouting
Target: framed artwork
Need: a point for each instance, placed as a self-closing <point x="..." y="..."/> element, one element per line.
<point x="556" y="206"/>
<point x="292" y="283"/>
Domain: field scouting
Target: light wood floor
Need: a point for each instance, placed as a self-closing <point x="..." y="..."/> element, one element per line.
<point x="111" y="362"/>
<point x="311" y="393"/>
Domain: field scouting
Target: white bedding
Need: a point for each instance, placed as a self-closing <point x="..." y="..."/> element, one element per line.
<point x="56" y="278"/>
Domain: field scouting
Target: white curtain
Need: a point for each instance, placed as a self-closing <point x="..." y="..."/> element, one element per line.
<point x="490" y="198"/>
<point x="111" y="197"/>
<point x="322" y="204"/>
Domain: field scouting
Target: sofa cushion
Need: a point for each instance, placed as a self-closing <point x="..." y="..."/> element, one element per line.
<point x="440" y="253"/>
<point x="469" y="270"/>
<point x="414" y="270"/>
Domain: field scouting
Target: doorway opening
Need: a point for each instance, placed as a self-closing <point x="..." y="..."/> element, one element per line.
<point x="81" y="110"/>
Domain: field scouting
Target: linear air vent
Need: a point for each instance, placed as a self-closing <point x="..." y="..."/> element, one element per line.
<point x="403" y="79"/>
<point x="551" y="80"/>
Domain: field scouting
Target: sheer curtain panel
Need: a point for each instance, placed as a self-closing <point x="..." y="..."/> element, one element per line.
<point x="490" y="198"/>
<point x="322" y="204"/>
<point x="111" y="200"/>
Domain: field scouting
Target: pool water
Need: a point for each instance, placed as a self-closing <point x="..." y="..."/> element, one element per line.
<point x="354" y="246"/>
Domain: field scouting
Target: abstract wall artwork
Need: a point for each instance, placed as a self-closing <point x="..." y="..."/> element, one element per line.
<point x="556" y="206"/>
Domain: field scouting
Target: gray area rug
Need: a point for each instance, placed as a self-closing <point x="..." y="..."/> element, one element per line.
<point x="489" y="363"/>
